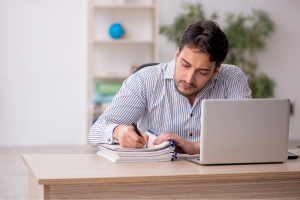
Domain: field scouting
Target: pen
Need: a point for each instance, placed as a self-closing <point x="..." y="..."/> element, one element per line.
<point x="138" y="132"/>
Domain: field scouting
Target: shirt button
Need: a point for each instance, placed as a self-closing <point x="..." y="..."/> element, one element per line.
<point x="191" y="134"/>
<point x="191" y="114"/>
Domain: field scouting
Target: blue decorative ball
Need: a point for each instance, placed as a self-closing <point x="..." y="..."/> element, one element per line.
<point x="116" y="31"/>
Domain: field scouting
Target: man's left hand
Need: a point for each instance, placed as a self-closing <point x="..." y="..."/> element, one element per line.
<point x="182" y="145"/>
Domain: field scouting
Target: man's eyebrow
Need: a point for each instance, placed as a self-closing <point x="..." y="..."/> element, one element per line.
<point x="197" y="68"/>
<point x="186" y="61"/>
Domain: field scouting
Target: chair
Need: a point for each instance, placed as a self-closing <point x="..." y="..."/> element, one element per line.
<point x="142" y="66"/>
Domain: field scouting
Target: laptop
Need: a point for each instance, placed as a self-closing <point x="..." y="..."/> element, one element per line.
<point x="244" y="131"/>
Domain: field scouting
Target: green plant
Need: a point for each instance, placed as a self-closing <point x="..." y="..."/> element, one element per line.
<point x="246" y="36"/>
<point x="193" y="13"/>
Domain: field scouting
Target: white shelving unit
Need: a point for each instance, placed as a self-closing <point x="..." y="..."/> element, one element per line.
<point x="111" y="60"/>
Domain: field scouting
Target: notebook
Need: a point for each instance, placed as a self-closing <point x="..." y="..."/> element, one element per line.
<point x="153" y="153"/>
<point x="244" y="131"/>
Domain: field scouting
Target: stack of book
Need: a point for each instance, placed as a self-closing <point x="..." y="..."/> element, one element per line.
<point x="105" y="92"/>
<point x="152" y="153"/>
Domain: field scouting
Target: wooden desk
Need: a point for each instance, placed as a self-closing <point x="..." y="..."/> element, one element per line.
<point x="86" y="176"/>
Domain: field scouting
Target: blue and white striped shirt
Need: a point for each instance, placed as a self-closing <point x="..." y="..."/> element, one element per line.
<point x="149" y="98"/>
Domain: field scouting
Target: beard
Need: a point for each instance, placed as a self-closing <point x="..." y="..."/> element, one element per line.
<point x="192" y="93"/>
<point x="194" y="90"/>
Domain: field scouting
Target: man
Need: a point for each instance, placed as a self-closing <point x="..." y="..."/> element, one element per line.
<point x="166" y="98"/>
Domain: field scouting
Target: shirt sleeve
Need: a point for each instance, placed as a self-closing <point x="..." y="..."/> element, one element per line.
<point x="128" y="106"/>
<point x="239" y="88"/>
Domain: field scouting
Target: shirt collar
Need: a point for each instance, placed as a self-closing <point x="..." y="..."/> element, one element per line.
<point x="169" y="74"/>
<point x="217" y="76"/>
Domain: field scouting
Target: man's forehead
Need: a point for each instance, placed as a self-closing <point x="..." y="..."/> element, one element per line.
<point x="198" y="60"/>
<point x="193" y="49"/>
<point x="205" y="68"/>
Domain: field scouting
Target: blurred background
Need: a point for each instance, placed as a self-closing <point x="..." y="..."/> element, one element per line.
<point x="44" y="55"/>
<point x="61" y="61"/>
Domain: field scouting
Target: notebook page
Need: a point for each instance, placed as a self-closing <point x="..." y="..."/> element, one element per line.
<point x="151" y="146"/>
<point x="114" y="158"/>
<point x="166" y="150"/>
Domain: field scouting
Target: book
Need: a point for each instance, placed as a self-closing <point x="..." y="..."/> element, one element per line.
<point x="154" y="153"/>
<point x="108" y="88"/>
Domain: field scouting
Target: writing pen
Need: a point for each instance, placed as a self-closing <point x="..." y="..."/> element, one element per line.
<point x="138" y="132"/>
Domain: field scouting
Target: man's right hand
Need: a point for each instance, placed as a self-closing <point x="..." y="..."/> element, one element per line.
<point x="128" y="138"/>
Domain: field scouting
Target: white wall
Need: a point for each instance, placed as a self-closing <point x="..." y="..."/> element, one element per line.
<point x="43" y="59"/>
<point x="43" y="48"/>
<point x="279" y="60"/>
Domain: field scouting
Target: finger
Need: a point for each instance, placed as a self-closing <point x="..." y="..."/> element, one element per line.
<point x="125" y="144"/>
<point x="137" y="142"/>
<point x="166" y="137"/>
<point x="160" y="138"/>
<point x="125" y="139"/>
<point x="136" y="138"/>
<point x="130" y="139"/>
<point x="161" y="135"/>
<point x="146" y="137"/>
<point x="128" y="142"/>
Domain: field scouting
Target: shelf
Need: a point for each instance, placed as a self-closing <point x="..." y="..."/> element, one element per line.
<point x="123" y="41"/>
<point x="111" y="60"/>
<point x="123" y="7"/>
<point x="97" y="112"/>
<point x="94" y="112"/>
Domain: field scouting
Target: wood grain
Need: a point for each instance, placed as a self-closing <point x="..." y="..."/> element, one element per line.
<point x="83" y="169"/>
<point x="225" y="189"/>
<point x="89" y="176"/>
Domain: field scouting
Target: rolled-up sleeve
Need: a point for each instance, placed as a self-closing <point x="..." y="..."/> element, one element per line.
<point x="128" y="106"/>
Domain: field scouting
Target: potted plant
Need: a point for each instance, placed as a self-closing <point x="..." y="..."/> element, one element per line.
<point x="193" y="13"/>
<point x="246" y="36"/>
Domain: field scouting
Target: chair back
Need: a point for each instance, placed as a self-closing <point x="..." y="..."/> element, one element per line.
<point x="142" y="66"/>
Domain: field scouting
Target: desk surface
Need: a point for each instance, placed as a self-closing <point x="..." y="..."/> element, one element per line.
<point x="53" y="169"/>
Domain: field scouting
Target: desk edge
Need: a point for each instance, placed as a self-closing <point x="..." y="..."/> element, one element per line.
<point x="209" y="177"/>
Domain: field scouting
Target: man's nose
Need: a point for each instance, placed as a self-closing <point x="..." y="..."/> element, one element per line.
<point x="190" y="77"/>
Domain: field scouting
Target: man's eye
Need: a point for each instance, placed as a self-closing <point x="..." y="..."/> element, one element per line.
<point x="185" y="65"/>
<point x="202" y="73"/>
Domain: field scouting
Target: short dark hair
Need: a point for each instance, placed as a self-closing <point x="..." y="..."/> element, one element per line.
<point x="206" y="37"/>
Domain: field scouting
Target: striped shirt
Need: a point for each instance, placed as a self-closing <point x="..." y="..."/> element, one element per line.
<point x="149" y="97"/>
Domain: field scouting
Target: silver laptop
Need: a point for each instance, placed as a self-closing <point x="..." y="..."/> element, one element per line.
<point x="244" y="131"/>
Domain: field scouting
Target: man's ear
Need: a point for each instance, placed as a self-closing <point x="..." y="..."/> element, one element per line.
<point x="216" y="71"/>
<point x="176" y="54"/>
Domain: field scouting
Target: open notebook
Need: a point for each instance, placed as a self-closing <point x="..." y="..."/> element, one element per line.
<point x="161" y="152"/>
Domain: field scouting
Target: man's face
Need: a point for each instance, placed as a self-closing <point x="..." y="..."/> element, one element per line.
<point x="192" y="71"/>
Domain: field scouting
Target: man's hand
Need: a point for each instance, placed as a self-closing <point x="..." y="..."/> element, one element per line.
<point x="182" y="145"/>
<point x="128" y="138"/>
